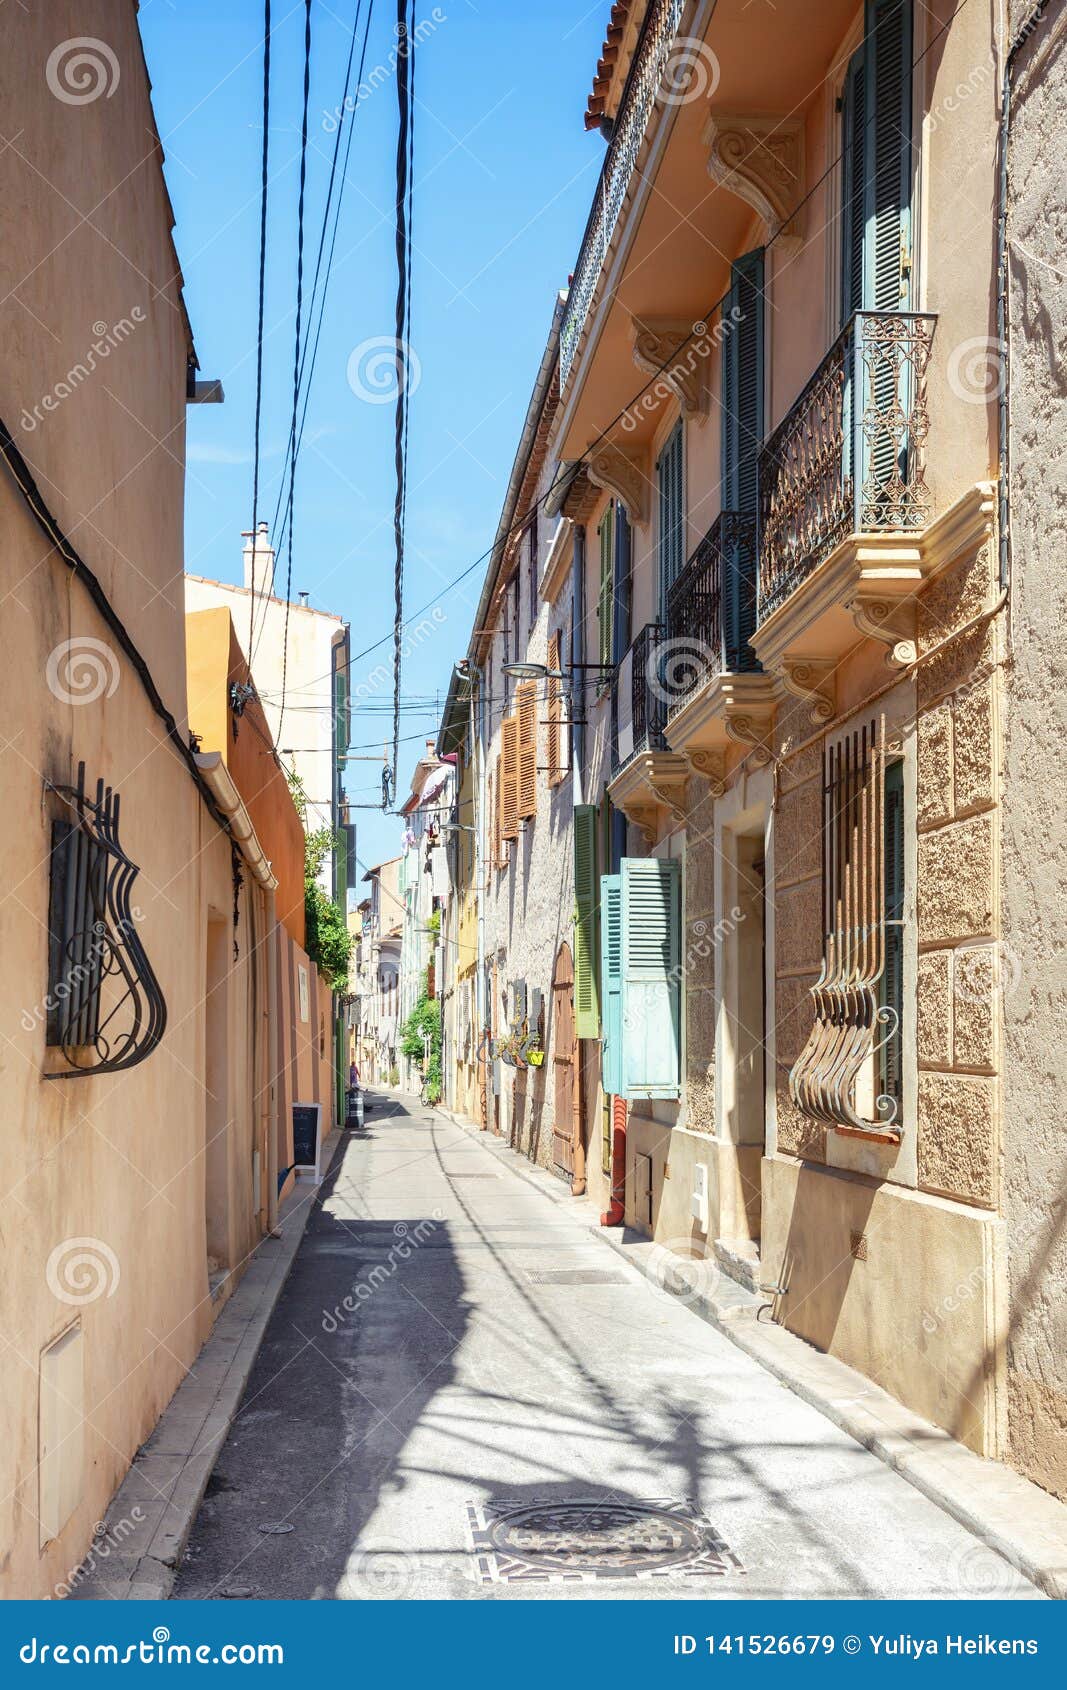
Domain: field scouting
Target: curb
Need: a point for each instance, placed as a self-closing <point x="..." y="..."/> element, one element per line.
<point x="1007" y="1513"/>
<point x="165" y="1484"/>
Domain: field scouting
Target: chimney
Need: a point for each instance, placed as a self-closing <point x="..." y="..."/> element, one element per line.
<point x="262" y="556"/>
<point x="304" y="597"/>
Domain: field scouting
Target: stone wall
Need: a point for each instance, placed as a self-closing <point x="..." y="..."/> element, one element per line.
<point x="1034" y="869"/>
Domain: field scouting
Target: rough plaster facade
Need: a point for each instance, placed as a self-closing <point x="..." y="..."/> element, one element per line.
<point x="1034" y="867"/>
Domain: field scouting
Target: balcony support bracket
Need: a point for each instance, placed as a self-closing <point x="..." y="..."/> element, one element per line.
<point x="813" y="681"/>
<point x="650" y="788"/>
<point x="709" y="766"/>
<point x="623" y="473"/>
<point x="671" y="350"/>
<point x="761" y="160"/>
<point x="893" y="621"/>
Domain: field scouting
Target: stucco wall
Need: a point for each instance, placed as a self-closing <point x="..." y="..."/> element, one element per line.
<point x="1035" y="767"/>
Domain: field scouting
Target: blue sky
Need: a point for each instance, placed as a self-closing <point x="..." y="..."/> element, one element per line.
<point x="503" y="179"/>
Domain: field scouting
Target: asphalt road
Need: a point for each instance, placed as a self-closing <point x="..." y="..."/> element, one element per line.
<point x="463" y="1394"/>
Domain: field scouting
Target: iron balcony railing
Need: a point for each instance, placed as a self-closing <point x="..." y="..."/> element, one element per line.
<point x="711" y="609"/>
<point x="646" y="75"/>
<point x="849" y="456"/>
<point x="639" y="698"/>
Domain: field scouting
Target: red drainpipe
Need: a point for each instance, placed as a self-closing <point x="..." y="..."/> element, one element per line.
<point x="615" y="1215"/>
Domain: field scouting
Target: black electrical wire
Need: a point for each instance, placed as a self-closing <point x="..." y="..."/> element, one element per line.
<point x="259" y="334"/>
<point x="405" y="18"/>
<point x="310" y="367"/>
<point x="296" y="350"/>
<point x="46" y="522"/>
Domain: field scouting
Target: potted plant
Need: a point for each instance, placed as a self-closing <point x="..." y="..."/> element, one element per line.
<point x="535" y="1056"/>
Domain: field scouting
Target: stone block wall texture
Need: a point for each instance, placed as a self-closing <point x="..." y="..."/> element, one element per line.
<point x="1034" y="850"/>
<point x="960" y="955"/>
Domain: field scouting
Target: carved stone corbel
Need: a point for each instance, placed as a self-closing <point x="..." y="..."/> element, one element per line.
<point x="812" y="679"/>
<point x="623" y="473"/>
<point x="670" y="350"/>
<point x="893" y="621"/>
<point x="761" y="159"/>
<point x="709" y="766"/>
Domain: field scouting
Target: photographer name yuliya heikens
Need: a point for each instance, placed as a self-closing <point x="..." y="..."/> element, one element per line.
<point x="815" y="1643"/>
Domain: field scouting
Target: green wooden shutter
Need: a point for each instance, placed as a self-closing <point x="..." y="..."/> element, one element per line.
<point x="611" y="982"/>
<point x="586" y="1006"/>
<point x="669" y="476"/>
<point x="650" y="890"/>
<point x="892" y="992"/>
<point x="887" y="164"/>
<point x="742" y="438"/>
<point x="607" y="564"/>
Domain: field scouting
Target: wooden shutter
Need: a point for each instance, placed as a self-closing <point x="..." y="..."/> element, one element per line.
<point x="526" y="714"/>
<point x="853" y="107"/>
<point x="887" y="172"/>
<point x="892" y="994"/>
<point x="671" y="515"/>
<point x="622" y="590"/>
<point x="586" y="1004"/>
<point x="650" y="894"/>
<point x="611" y="982"/>
<point x="742" y="420"/>
<point x="606" y="532"/>
<point x="555" y="714"/>
<point x="509" y="778"/>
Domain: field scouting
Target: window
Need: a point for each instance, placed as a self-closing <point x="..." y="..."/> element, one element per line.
<point x="586" y="888"/>
<point x="650" y="990"/>
<point x="622" y="585"/>
<point x="669" y="476"/>
<point x="606" y="534"/>
<point x="531" y="534"/>
<point x="104" y="1006"/>
<point x="742" y="438"/>
<point x="876" y="153"/>
<point x="849" y="1072"/>
<point x="526" y="748"/>
<point x="558" y="758"/>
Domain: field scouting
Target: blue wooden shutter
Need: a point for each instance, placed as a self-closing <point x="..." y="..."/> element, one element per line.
<point x="586" y="1006"/>
<point x="651" y="977"/>
<point x="887" y="164"/>
<point x="611" y="982"/>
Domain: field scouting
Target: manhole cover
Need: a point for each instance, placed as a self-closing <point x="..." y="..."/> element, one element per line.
<point x="588" y="1539"/>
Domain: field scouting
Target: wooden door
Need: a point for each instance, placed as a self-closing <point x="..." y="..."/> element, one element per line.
<point x="564" y="1062"/>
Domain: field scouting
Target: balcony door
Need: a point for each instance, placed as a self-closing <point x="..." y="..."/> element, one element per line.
<point x="742" y="438"/>
<point x="876" y="151"/>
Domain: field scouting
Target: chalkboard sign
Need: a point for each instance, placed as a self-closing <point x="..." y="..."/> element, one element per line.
<point x="306" y="1135"/>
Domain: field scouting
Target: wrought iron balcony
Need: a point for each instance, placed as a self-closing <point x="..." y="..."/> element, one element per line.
<point x="849" y="456"/>
<point x="711" y="610"/>
<point x="646" y="74"/>
<point x="639" y="698"/>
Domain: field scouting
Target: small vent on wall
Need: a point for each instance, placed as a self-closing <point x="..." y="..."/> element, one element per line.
<point x="857" y="1244"/>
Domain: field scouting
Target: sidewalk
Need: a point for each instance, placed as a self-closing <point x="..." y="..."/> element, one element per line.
<point x="163" y="1489"/>
<point x="1017" y="1519"/>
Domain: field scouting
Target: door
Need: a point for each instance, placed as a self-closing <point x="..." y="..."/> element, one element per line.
<point x="564" y="1057"/>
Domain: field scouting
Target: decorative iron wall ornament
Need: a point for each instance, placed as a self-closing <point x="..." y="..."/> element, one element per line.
<point x="106" y="1011"/>
<point x="848" y="457"/>
<point x="852" y="1025"/>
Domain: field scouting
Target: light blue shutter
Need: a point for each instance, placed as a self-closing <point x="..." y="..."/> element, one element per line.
<point x="671" y="516"/>
<point x="651" y="977"/>
<point x="887" y="135"/>
<point x="853" y="105"/>
<point x="611" y="983"/>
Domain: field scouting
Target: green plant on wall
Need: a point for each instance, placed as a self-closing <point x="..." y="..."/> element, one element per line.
<point x="326" y="939"/>
<point x="424" y="1023"/>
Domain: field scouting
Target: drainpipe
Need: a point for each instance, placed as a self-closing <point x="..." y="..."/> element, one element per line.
<point x="1003" y="411"/>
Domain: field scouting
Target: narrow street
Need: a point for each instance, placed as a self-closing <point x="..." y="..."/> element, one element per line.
<point x="494" y="1356"/>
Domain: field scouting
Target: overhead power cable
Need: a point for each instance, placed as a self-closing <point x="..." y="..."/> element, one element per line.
<point x="259" y="333"/>
<point x="405" y="62"/>
<point x="307" y="368"/>
<point x="296" y="344"/>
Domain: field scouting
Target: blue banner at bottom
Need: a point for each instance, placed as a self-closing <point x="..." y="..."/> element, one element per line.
<point x="573" y="1640"/>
